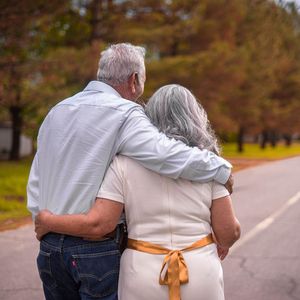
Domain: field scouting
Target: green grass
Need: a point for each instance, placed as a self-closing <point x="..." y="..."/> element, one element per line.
<point x="253" y="151"/>
<point x="13" y="180"/>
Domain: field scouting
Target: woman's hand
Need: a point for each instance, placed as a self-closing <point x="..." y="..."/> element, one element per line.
<point x="40" y="224"/>
<point x="222" y="251"/>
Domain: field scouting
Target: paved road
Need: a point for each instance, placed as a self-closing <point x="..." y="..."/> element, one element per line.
<point x="265" y="265"/>
<point x="19" y="279"/>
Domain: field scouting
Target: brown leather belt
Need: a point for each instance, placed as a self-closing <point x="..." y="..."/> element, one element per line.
<point x="110" y="235"/>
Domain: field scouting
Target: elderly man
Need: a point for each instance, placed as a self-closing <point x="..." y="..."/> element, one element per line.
<point x="76" y="143"/>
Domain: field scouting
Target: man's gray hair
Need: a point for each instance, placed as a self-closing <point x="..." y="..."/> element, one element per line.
<point x="175" y="111"/>
<point x="119" y="61"/>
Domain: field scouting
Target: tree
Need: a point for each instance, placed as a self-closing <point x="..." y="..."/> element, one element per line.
<point x="240" y="58"/>
<point x="21" y="28"/>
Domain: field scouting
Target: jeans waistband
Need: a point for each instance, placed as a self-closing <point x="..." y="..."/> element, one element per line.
<point x="58" y="240"/>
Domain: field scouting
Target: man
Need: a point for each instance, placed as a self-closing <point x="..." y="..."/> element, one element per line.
<point x="76" y="143"/>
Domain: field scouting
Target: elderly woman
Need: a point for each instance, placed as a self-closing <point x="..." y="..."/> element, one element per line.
<point x="176" y="228"/>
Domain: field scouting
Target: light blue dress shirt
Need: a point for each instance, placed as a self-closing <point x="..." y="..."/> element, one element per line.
<point x="79" y="138"/>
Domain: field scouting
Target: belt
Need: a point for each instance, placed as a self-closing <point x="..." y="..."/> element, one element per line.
<point x="174" y="263"/>
<point x="113" y="234"/>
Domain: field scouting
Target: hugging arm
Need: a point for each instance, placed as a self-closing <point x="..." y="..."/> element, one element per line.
<point x="140" y="140"/>
<point x="100" y="220"/>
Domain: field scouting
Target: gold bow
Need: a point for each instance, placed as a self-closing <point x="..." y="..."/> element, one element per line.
<point x="176" y="272"/>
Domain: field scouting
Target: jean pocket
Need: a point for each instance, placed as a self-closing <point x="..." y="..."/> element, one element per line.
<point x="98" y="272"/>
<point x="44" y="267"/>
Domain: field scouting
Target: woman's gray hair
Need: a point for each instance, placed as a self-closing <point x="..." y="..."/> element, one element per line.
<point x="119" y="61"/>
<point x="174" y="110"/>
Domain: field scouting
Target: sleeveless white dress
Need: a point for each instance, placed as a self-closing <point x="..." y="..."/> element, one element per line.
<point x="173" y="214"/>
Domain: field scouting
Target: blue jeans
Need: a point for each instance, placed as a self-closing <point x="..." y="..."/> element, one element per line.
<point x="72" y="268"/>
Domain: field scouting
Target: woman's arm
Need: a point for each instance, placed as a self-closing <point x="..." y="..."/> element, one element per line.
<point x="100" y="220"/>
<point x="225" y="225"/>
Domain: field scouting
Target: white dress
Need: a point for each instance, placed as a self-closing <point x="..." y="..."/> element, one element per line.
<point x="173" y="214"/>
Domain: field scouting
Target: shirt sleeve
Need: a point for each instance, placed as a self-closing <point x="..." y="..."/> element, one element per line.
<point x="218" y="191"/>
<point x="140" y="140"/>
<point x="33" y="188"/>
<point x="112" y="185"/>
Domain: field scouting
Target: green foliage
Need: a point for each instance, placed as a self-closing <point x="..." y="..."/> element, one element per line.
<point x="240" y="58"/>
<point x="13" y="180"/>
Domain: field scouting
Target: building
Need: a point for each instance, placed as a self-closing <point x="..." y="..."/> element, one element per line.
<point x="6" y="141"/>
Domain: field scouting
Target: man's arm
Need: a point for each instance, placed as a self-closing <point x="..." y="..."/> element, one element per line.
<point x="100" y="220"/>
<point x="140" y="140"/>
<point x="33" y="188"/>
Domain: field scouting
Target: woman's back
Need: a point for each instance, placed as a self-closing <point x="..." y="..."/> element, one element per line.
<point x="170" y="213"/>
<point x="161" y="210"/>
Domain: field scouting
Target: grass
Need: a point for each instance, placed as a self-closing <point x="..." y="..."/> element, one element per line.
<point x="253" y="151"/>
<point x="13" y="180"/>
<point x="14" y="175"/>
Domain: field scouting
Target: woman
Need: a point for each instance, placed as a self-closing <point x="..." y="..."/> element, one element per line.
<point x="164" y="215"/>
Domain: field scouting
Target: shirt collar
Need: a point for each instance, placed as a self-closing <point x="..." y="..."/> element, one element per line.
<point x="101" y="87"/>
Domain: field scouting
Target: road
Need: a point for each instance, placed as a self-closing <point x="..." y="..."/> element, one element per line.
<point x="263" y="265"/>
<point x="19" y="279"/>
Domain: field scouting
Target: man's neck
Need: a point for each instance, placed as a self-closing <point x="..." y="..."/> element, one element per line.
<point x="122" y="89"/>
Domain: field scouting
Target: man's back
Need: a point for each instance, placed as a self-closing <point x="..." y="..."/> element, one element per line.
<point x="75" y="146"/>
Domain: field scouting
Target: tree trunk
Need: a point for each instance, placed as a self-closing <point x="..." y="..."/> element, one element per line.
<point x="240" y="139"/>
<point x="16" y="119"/>
<point x="288" y="139"/>
<point x="264" y="139"/>
<point x="101" y="24"/>
<point x="273" y="139"/>
<point x="174" y="48"/>
<point x="96" y="8"/>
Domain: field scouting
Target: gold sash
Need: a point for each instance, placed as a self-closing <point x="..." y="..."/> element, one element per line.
<point x="177" y="272"/>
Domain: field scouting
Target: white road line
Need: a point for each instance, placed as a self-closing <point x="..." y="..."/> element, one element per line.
<point x="265" y="223"/>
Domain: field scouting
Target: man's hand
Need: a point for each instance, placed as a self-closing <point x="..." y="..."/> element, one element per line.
<point x="229" y="184"/>
<point x="40" y="227"/>
<point x="222" y="251"/>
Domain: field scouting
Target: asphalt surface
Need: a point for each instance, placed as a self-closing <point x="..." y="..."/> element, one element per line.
<point x="263" y="265"/>
<point x="19" y="279"/>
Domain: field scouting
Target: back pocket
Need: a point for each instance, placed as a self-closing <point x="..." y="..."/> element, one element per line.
<point x="44" y="267"/>
<point x="98" y="272"/>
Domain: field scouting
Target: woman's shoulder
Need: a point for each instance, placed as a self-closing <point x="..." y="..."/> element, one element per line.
<point x="219" y="190"/>
<point x="122" y="159"/>
<point x="124" y="162"/>
<point x="133" y="168"/>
